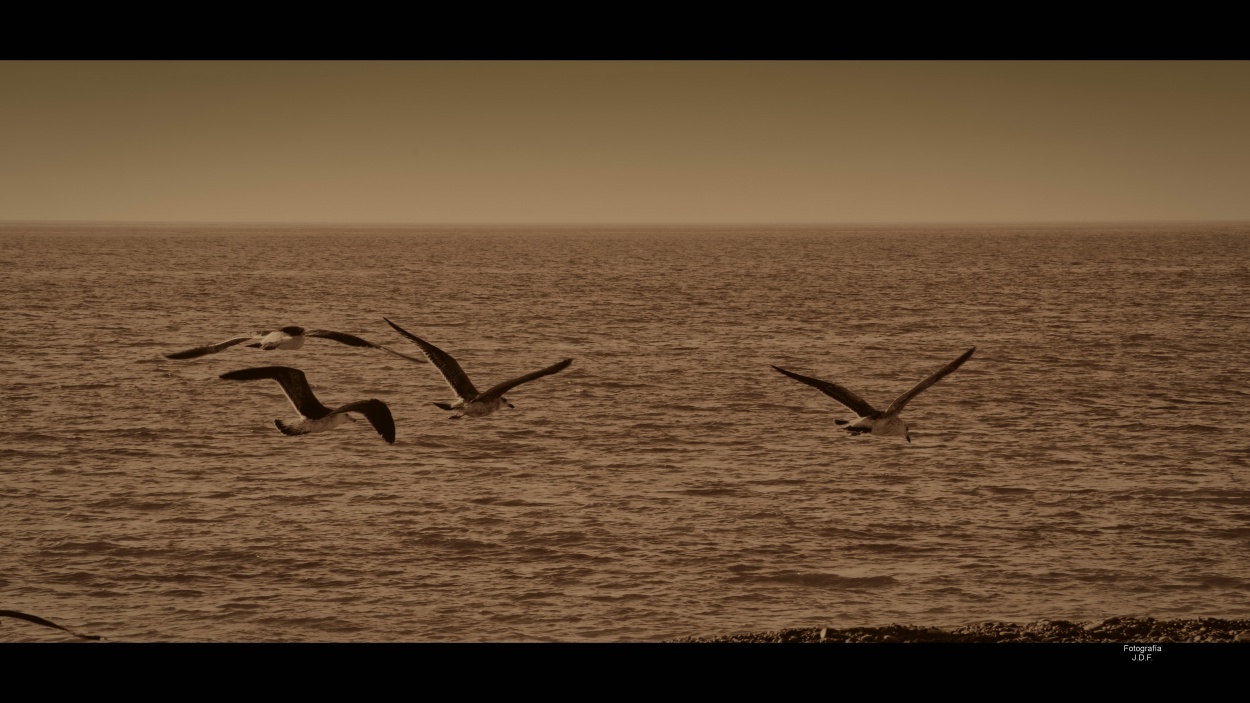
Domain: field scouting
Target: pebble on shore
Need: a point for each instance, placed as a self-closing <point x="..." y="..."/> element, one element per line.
<point x="1117" y="629"/>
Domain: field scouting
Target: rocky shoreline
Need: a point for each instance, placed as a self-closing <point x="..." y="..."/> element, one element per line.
<point x="1117" y="629"/>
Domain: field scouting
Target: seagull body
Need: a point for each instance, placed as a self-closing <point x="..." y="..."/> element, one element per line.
<point x="289" y="337"/>
<point x="471" y="402"/>
<point x="870" y="420"/>
<point x="315" y="417"/>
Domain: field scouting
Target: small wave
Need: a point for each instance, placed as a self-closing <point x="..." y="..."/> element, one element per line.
<point x="506" y="502"/>
<point x="887" y="548"/>
<point x="538" y="595"/>
<point x="1193" y="427"/>
<point x="616" y="384"/>
<point x="1196" y="401"/>
<point x="821" y="580"/>
<point x="556" y="538"/>
<point x="454" y="544"/>
<point x="1102" y="577"/>
<point x="97" y="547"/>
<point x="1009" y="490"/>
<point x="119" y="451"/>
<point x="779" y="482"/>
<point x="140" y="432"/>
<point x="708" y="491"/>
<point x="295" y="500"/>
<point x="325" y="624"/>
<point x="32" y="437"/>
<point x="623" y="597"/>
<point x="151" y="505"/>
<point x="768" y="515"/>
<point x="1069" y="514"/>
<point x="1218" y="581"/>
<point x="876" y="532"/>
<point x="426" y="443"/>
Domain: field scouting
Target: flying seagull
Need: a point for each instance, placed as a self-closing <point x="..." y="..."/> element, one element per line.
<point x="290" y="337"/>
<point x="873" y="421"/>
<point x="46" y="623"/>
<point x="472" y="402"/>
<point x="315" y="417"/>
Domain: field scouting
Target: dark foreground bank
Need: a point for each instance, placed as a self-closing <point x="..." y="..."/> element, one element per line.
<point x="1109" y="630"/>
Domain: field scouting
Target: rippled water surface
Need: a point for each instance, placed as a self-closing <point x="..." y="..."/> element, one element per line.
<point x="1089" y="460"/>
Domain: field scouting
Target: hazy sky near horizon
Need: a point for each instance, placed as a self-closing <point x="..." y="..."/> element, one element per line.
<point x="498" y="142"/>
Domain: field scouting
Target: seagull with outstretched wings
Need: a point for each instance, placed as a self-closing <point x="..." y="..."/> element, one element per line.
<point x="315" y="417"/>
<point x="289" y="337"/>
<point x="471" y="401"/>
<point x="870" y="420"/>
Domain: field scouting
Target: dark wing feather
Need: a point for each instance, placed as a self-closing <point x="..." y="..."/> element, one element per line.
<point x="46" y="623"/>
<point x="844" y="396"/>
<point x="208" y="349"/>
<point x="376" y="412"/>
<point x="452" y="373"/>
<point x="354" y="341"/>
<point x="293" y="383"/>
<point x="401" y="355"/>
<point x="349" y="340"/>
<point x="506" y="386"/>
<point x="902" y="400"/>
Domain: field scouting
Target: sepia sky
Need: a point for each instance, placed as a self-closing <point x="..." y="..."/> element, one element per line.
<point x="624" y="142"/>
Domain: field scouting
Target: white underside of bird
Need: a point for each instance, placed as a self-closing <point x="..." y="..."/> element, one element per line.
<point x="307" y="425"/>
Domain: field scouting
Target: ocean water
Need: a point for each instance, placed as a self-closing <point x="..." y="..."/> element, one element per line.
<point x="1089" y="460"/>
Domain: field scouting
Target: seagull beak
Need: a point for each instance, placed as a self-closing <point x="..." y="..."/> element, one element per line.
<point x="908" y="438"/>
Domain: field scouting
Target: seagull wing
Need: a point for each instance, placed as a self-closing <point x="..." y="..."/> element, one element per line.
<point x="452" y="373"/>
<point x="46" y="623"/>
<point x="211" y="348"/>
<point x="844" y="396"/>
<point x="506" y="386"/>
<point x="376" y="412"/>
<point x="293" y="383"/>
<point x="897" y="406"/>
<point x="349" y="340"/>
<point x="401" y="355"/>
<point x="354" y="341"/>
